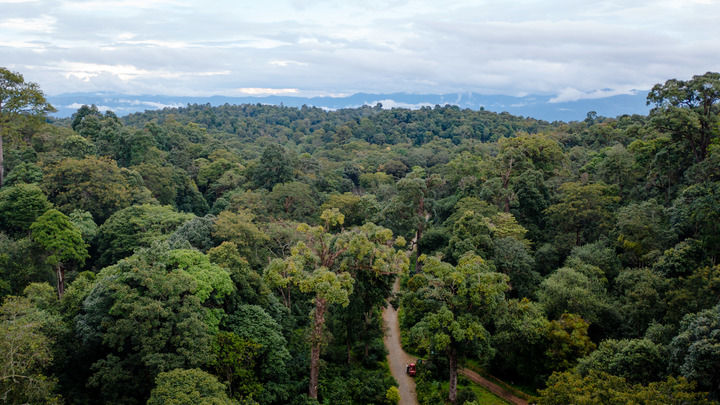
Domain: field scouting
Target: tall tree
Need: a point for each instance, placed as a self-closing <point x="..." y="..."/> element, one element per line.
<point x="54" y="231"/>
<point x="689" y="110"/>
<point x="465" y="298"/>
<point x="321" y="265"/>
<point x="18" y="98"/>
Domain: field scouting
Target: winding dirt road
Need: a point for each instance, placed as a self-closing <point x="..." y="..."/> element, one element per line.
<point x="492" y="387"/>
<point x="397" y="358"/>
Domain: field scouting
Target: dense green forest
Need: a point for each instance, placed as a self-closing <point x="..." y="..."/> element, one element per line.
<point x="243" y="254"/>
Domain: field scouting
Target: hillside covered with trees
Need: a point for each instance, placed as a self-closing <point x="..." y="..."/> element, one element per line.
<point x="243" y="253"/>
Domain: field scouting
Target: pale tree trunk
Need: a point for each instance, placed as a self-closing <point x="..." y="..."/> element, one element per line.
<point x="60" y="280"/>
<point x="316" y="344"/>
<point x="452" y="354"/>
<point x="2" y="161"/>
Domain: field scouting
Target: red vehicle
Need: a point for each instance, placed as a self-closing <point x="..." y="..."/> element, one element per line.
<point x="410" y="369"/>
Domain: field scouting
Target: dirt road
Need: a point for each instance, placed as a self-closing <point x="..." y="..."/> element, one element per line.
<point x="397" y="358"/>
<point x="492" y="387"/>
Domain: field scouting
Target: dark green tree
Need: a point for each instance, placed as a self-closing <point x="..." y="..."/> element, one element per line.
<point x="689" y="110"/>
<point x="20" y="206"/>
<point x="17" y="98"/>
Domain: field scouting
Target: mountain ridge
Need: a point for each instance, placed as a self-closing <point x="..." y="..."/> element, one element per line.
<point x="536" y="106"/>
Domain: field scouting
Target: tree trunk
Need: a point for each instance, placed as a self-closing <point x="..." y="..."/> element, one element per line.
<point x="2" y="162"/>
<point x="452" y="395"/>
<point x="315" y="342"/>
<point x="60" y="280"/>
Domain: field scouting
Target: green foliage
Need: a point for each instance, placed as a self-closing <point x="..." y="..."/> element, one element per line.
<point x="89" y="184"/>
<point x="149" y="314"/>
<point x="25" y="172"/>
<point x="18" y="99"/>
<point x="695" y="214"/>
<point x="295" y="201"/>
<point x="84" y="223"/>
<point x="54" y="231"/>
<point x="695" y="351"/>
<point x="356" y="209"/>
<point x="583" y="210"/>
<point x="195" y="232"/>
<point x="240" y="229"/>
<point x="466" y="298"/>
<point x="688" y="110"/>
<point x="602" y="388"/>
<point x="186" y="387"/>
<point x="20" y="206"/>
<point x="520" y="340"/>
<point x="635" y="360"/>
<point x="252" y="324"/>
<point x="569" y="290"/>
<point x="641" y="296"/>
<point x="25" y="352"/>
<point x="567" y="341"/>
<point x="234" y="360"/>
<point x="392" y="395"/>
<point x="274" y="167"/>
<point x="134" y="227"/>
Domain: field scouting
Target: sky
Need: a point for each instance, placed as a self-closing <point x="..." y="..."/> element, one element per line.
<point x="571" y="49"/>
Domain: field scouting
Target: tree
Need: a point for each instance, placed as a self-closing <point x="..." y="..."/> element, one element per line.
<point x="320" y="265"/>
<point x="54" y="231"/>
<point x="20" y="206"/>
<point x="519" y="154"/>
<point x="520" y="339"/>
<point x="274" y="167"/>
<point x="465" y="298"/>
<point x="636" y="360"/>
<point x="642" y="229"/>
<point x="185" y="387"/>
<point x="599" y="388"/>
<point x="584" y="210"/>
<point x="240" y="229"/>
<point x="25" y="352"/>
<point x="234" y="360"/>
<point x="293" y="200"/>
<point x="568" y="340"/>
<point x="695" y="214"/>
<point x="689" y="111"/>
<point x="570" y="290"/>
<point x="18" y="98"/>
<point x="134" y="227"/>
<point x="695" y="351"/>
<point x="91" y="184"/>
<point x="258" y="331"/>
<point x="150" y="313"/>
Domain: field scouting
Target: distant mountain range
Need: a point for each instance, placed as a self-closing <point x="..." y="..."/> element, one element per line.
<point x="536" y="106"/>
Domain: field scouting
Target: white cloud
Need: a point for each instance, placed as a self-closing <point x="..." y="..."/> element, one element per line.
<point x="263" y="91"/>
<point x="286" y="63"/>
<point x="87" y="71"/>
<point x="570" y="94"/>
<point x="44" y="24"/>
<point x="304" y="47"/>
<point x="388" y="104"/>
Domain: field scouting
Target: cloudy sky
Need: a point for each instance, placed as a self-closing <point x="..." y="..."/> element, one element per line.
<point x="568" y="48"/>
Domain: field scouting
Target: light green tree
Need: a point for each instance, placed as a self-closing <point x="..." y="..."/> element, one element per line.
<point x="56" y="233"/>
<point x="321" y="264"/>
<point x="465" y="299"/>
<point x="186" y="387"/>
<point x="25" y="352"/>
